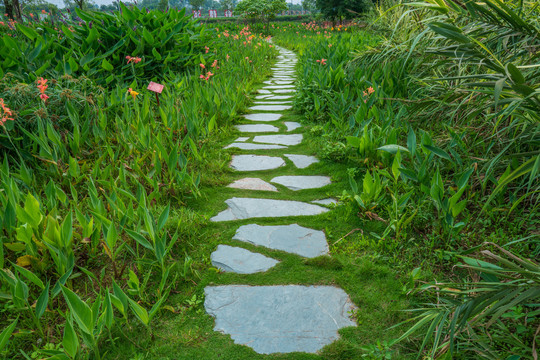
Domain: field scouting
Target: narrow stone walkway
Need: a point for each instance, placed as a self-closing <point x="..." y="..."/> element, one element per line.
<point x="281" y="318"/>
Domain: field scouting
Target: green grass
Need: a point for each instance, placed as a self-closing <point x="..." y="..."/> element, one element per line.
<point x="188" y="333"/>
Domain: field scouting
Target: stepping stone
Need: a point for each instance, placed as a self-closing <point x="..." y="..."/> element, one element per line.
<point x="294" y="239"/>
<point x="250" y="146"/>
<point x="293" y="139"/>
<point x="257" y="128"/>
<point x="240" y="261"/>
<point x="284" y="91"/>
<point x="279" y="97"/>
<point x="255" y="162"/>
<point x="246" y="208"/>
<point x="253" y="184"/>
<point x="270" y="107"/>
<point x="241" y="139"/>
<point x="291" y="125"/>
<point x="280" y="82"/>
<point x="279" y="319"/>
<point x="279" y="87"/>
<point x="273" y="102"/>
<point x="262" y="96"/>
<point x="302" y="161"/>
<point x="328" y="201"/>
<point x="262" y="91"/>
<point x="263" y="117"/>
<point x="302" y="182"/>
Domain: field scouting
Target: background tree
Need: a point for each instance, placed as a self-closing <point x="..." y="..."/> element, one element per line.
<point x="196" y="4"/>
<point x="13" y="9"/>
<point x="339" y="9"/>
<point x="226" y="4"/>
<point x="163" y="5"/>
<point x="260" y="10"/>
<point x="309" y="5"/>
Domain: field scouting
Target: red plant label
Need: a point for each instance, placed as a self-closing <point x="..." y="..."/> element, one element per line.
<point x="155" y="87"/>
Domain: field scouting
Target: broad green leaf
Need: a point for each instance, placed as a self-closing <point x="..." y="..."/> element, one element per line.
<point x="438" y="151"/>
<point x="80" y="310"/>
<point x="513" y="72"/>
<point x="42" y="301"/>
<point x="70" y="341"/>
<point x="6" y="333"/>
<point x="393" y="148"/>
<point x="139" y="311"/>
<point x="107" y="65"/>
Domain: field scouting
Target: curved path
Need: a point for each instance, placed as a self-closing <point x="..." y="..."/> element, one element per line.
<point x="281" y="318"/>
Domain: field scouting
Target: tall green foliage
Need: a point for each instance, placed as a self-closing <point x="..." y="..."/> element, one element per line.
<point x="97" y="46"/>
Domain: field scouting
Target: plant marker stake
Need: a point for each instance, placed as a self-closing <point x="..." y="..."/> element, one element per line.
<point x="157" y="88"/>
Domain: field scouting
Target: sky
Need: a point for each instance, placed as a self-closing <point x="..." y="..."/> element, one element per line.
<point x="60" y="3"/>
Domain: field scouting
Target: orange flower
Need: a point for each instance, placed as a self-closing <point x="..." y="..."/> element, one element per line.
<point x="133" y="93"/>
<point x="6" y="113"/>
<point x="370" y="90"/>
<point x="44" y="97"/>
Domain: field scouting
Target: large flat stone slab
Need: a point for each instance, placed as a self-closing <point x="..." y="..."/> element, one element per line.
<point x="292" y="238"/>
<point x="251" y="146"/>
<point x="255" y="162"/>
<point x="279" y="319"/>
<point x="252" y="184"/>
<point x="270" y="107"/>
<point x="279" y="87"/>
<point x="263" y="117"/>
<point x="240" y="261"/>
<point x="302" y="182"/>
<point x="284" y="91"/>
<point x="247" y="208"/>
<point x="327" y="202"/>
<point x="292" y="139"/>
<point x="257" y="128"/>
<point x="292" y="125"/>
<point x="302" y="161"/>
<point x="263" y="91"/>
<point x="264" y="102"/>
<point x="279" y="97"/>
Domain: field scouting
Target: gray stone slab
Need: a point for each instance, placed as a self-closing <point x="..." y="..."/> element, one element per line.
<point x="250" y="146"/>
<point x="302" y="182"/>
<point x="255" y="162"/>
<point x="259" y="97"/>
<point x="279" y="97"/>
<point x="292" y="238"/>
<point x="246" y="208"/>
<point x="252" y="184"/>
<point x="292" y="139"/>
<point x="241" y="139"/>
<point x="284" y="91"/>
<point x="279" y="87"/>
<point x="270" y="107"/>
<point x="302" y="161"/>
<point x="279" y="319"/>
<point x="281" y="82"/>
<point x="263" y="117"/>
<point x="263" y="91"/>
<point x="240" y="261"/>
<point x="327" y="202"/>
<point x="257" y="128"/>
<point x="292" y="125"/>
<point x="272" y="102"/>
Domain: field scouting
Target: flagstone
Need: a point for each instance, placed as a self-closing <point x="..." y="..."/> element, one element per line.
<point x="255" y="162"/>
<point x="252" y="184"/>
<point x="246" y="208"/>
<point x="270" y="107"/>
<point x="284" y="91"/>
<point x="273" y="102"/>
<point x="279" y="87"/>
<point x="302" y="182"/>
<point x="257" y="128"/>
<point x="302" y="161"/>
<point x="263" y="117"/>
<point x="329" y="201"/>
<point x="292" y="125"/>
<point x="242" y="139"/>
<point x="240" y="261"/>
<point x="292" y="139"/>
<point x="293" y="238"/>
<point x="281" y="318"/>
<point x="250" y="146"/>
<point x="263" y="91"/>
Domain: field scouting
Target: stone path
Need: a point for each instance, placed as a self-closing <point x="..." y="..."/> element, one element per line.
<point x="280" y="318"/>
